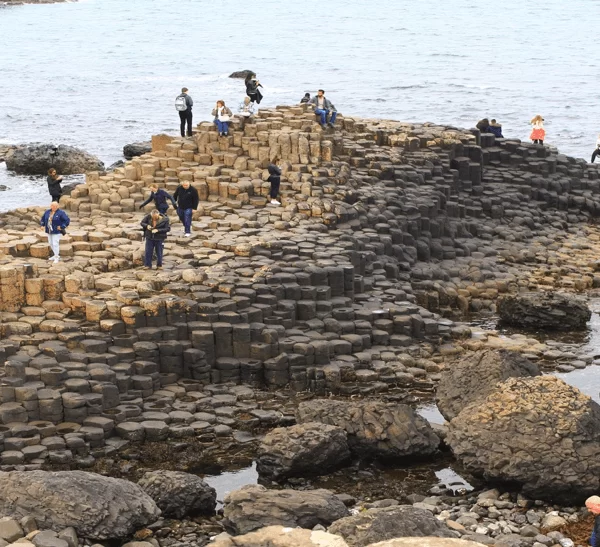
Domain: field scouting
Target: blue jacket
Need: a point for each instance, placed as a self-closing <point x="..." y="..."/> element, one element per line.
<point x="59" y="220"/>
<point x="160" y="198"/>
<point x="496" y="130"/>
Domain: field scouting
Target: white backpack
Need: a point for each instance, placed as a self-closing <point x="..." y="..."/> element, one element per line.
<point x="180" y="103"/>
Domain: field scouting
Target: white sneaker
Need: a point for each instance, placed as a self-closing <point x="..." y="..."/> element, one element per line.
<point x="56" y="259"/>
<point x="187" y="235"/>
<point x="275" y="202"/>
<point x="51" y="257"/>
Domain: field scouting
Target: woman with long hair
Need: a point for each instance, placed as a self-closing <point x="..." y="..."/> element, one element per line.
<point x="222" y="116"/>
<point x="538" y="134"/>
<point x="252" y="85"/>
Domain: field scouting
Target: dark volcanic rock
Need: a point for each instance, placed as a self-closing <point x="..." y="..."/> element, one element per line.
<point x="474" y="376"/>
<point x="375" y="429"/>
<point x="253" y="507"/>
<point x="137" y="149"/>
<point x="540" y="310"/>
<point x="179" y="494"/>
<point x="36" y="159"/>
<point x="303" y="449"/>
<point x="96" y="507"/>
<point x="388" y="523"/>
<point x="242" y="74"/>
<point x="536" y="432"/>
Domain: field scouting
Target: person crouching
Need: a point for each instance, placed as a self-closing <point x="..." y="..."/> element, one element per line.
<point x="156" y="227"/>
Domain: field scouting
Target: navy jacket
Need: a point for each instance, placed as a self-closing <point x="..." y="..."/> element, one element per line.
<point x="59" y="220"/>
<point x="496" y="130"/>
<point x="160" y="198"/>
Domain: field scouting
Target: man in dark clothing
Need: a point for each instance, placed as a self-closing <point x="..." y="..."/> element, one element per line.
<point x="305" y="99"/>
<point x="185" y="116"/>
<point x="156" y="227"/>
<point x="187" y="201"/>
<point x="54" y="187"/>
<point x="160" y="197"/>
<point x="275" y="180"/>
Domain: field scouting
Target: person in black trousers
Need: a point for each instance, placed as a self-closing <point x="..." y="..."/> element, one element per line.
<point x="156" y="227"/>
<point x="185" y="114"/>
<point x="54" y="187"/>
<point x="275" y="180"/>
<point x="252" y="85"/>
<point x="187" y="201"/>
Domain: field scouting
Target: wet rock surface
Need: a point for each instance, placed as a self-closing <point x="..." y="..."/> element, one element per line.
<point x="137" y="149"/>
<point x="36" y="159"/>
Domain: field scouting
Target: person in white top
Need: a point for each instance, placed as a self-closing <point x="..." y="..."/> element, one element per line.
<point x="597" y="151"/>
<point x="245" y="111"/>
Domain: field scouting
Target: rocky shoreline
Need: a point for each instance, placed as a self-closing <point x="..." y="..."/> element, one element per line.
<point x="336" y="308"/>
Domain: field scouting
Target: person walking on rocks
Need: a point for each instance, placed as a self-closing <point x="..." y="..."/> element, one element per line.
<point x="54" y="187"/>
<point x="275" y="180"/>
<point x="54" y="221"/>
<point x="252" y="85"/>
<point x="187" y="201"/>
<point x="538" y="134"/>
<point x="246" y="111"/>
<point x="593" y="506"/>
<point x="496" y="129"/>
<point x="156" y="227"/>
<point x="160" y="197"/>
<point x="183" y="105"/>
<point x="597" y="151"/>
<point x="222" y="119"/>
<point x="324" y="108"/>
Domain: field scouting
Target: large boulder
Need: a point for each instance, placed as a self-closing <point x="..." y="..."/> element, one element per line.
<point x="242" y="74"/>
<point x="277" y="536"/>
<point x="375" y="429"/>
<point x="36" y="159"/>
<point x="179" y="494"/>
<point x="397" y="521"/>
<point x="542" y="310"/>
<point x="304" y="449"/>
<point x="137" y="149"/>
<point x="426" y="542"/>
<point x="97" y="507"/>
<point x="539" y="433"/>
<point x="253" y="507"/>
<point x="474" y="376"/>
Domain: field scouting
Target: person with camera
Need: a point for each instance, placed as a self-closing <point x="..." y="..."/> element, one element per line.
<point x="252" y="85"/>
<point x="156" y="227"/>
<point x="54" y="221"/>
<point x="54" y="187"/>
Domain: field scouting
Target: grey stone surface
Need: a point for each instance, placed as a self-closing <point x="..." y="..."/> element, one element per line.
<point x="36" y="159"/>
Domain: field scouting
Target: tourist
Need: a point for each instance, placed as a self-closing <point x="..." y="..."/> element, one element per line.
<point x="593" y="506"/>
<point x="246" y="111"/>
<point x="187" y="201"/>
<point x="538" y="134"/>
<point x="54" y="187"/>
<point x="222" y="119"/>
<point x="323" y="108"/>
<point x="597" y="151"/>
<point x="252" y="85"/>
<point x="160" y="197"/>
<point x="183" y="104"/>
<point x="54" y="221"/>
<point x="483" y="125"/>
<point x="155" y="226"/>
<point x="496" y="129"/>
<point x="305" y="99"/>
<point x="275" y="180"/>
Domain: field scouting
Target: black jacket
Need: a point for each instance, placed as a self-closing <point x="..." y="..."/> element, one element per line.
<point x="274" y="173"/>
<point x="162" y="226"/>
<point x="186" y="199"/>
<point x="54" y="186"/>
<point x="160" y="198"/>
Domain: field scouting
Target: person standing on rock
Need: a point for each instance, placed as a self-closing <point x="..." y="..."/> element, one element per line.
<point x="324" y="108"/>
<point x="538" y="133"/>
<point x="160" y="197"/>
<point x="54" y="187"/>
<point x="275" y="180"/>
<point x="156" y="227"/>
<point x="597" y="151"/>
<point x="593" y="506"/>
<point x="222" y="119"/>
<point x="183" y="105"/>
<point x="252" y="85"/>
<point x="54" y="221"/>
<point x="187" y="201"/>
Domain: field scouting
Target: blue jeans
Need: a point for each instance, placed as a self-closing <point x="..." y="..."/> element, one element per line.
<point x="185" y="215"/>
<point x="163" y="208"/>
<point x="222" y="127"/>
<point x="151" y="246"/>
<point x="324" y="113"/>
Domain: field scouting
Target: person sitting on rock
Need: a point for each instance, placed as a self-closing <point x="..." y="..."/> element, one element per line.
<point x="483" y="125"/>
<point x="160" y="197"/>
<point x="246" y="111"/>
<point x="54" y="221"/>
<point x="156" y="227"/>
<point x="593" y="506"/>
<point x="597" y="151"/>
<point x="187" y="201"/>
<point x="275" y="180"/>
<point x="252" y="85"/>
<point x="222" y="116"/>
<point x="54" y="187"/>
<point x="305" y="99"/>
<point x="324" y="108"/>
<point x="496" y="129"/>
<point x="538" y="133"/>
